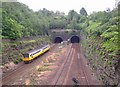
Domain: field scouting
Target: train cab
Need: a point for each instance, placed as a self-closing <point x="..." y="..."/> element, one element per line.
<point x="26" y="58"/>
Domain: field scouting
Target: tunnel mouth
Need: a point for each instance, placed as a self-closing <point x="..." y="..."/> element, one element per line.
<point x="58" y="40"/>
<point x="75" y="39"/>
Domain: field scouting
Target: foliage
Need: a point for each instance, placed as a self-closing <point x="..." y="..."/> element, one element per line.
<point x="20" y="21"/>
<point x="103" y="26"/>
<point x="11" y="29"/>
<point x="102" y="43"/>
<point x="83" y="12"/>
<point x="100" y="28"/>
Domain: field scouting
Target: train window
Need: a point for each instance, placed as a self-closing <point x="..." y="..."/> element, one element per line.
<point x="31" y="55"/>
<point x="26" y="55"/>
<point x="36" y="52"/>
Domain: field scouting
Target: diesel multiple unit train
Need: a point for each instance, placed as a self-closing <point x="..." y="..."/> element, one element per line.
<point x="31" y="55"/>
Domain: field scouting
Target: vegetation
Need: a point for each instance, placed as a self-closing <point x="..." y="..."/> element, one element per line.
<point x="19" y="21"/>
<point x="99" y="30"/>
<point x="14" y="50"/>
<point x="102" y="44"/>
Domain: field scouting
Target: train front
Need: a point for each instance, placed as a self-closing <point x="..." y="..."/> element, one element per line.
<point x="26" y="58"/>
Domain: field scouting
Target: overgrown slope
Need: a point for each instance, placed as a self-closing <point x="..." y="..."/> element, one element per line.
<point x="101" y="45"/>
<point x="14" y="50"/>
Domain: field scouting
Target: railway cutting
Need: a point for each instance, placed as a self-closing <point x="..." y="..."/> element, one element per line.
<point x="71" y="69"/>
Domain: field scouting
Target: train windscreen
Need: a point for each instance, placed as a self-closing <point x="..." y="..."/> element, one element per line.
<point x="26" y="55"/>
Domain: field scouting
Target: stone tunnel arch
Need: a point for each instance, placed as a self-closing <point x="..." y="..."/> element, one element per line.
<point x="58" y="40"/>
<point x="75" y="39"/>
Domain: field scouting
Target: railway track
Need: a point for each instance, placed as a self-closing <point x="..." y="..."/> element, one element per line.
<point x="74" y="69"/>
<point x="85" y="74"/>
<point x="62" y="73"/>
<point x="82" y="74"/>
<point x="23" y="68"/>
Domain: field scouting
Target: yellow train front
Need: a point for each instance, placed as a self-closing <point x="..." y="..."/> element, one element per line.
<point x="29" y="56"/>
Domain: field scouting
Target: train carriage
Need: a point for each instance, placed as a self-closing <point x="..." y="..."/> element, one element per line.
<point x="31" y="55"/>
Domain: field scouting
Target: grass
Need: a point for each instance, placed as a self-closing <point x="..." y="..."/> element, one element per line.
<point x="44" y="67"/>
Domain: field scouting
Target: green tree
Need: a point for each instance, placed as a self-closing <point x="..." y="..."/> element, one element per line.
<point x="11" y="28"/>
<point x="83" y="12"/>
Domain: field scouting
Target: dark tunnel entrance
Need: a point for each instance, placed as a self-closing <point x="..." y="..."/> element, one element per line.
<point x="75" y="39"/>
<point x="58" y="40"/>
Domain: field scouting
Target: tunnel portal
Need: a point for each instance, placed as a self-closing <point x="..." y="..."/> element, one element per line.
<point x="58" y="40"/>
<point x="75" y="39"/>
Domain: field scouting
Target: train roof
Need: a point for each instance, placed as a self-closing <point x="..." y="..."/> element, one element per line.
<point x="37" y="49"/>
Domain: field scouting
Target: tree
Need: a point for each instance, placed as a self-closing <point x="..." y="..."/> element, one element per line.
<point x="11" y="28"/>
<point x="83" y="12"/>
<point x="73" y="15"/>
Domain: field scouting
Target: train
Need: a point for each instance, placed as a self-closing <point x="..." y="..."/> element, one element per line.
<point x="31" y="55"/>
